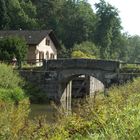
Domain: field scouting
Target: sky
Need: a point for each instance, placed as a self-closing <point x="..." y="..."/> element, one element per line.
<point x="129" y="12"/>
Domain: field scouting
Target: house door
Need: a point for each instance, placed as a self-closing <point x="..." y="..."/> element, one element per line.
<point x="41" y="55"/>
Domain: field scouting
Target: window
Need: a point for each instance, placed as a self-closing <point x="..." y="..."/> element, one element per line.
<point x="52" y="56"/>
<point x="47" y="42"/>
<point x="47" y="55"/>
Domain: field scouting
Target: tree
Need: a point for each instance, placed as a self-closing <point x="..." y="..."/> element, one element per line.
<point x="119" y="48"/>
<point x="134" y="48"/>
<point x="108" y="28"/>
<point x="77" y="22"/>
<point x="11" y="47"/>
<point x="3" y="15"/>
<point x="85" y="50"/>
<point x="21" y="14"/>
<point x="48" y="13"/>
<point x="63" y="52"/>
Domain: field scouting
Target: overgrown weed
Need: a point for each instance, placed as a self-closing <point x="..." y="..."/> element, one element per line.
<point x="104" y="118"/>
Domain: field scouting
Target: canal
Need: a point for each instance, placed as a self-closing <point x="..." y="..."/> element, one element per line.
<point x="50" y="111"/>
<point x="46" y="110"/>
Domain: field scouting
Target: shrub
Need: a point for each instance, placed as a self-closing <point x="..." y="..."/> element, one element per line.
<point x="10" y="84"/>
<point x="11" y="47"/>
<point x="85" y="50"/>
<point x="8" y="77"/>
<point x="16" y="94"/>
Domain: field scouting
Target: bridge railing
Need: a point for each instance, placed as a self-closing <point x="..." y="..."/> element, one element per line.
<point x="61" y="64"/>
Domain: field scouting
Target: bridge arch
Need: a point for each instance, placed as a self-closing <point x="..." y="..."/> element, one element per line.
<point x="65" y="78"/>
<point x="69" y="74"/>
<point x="67" y="69"/>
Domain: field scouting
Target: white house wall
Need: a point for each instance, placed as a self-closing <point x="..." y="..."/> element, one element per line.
<point x="42" y="47"/>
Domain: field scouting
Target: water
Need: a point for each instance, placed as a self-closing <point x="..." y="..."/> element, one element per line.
<point x="46" y="110"/>
<point x="50" y="111"/>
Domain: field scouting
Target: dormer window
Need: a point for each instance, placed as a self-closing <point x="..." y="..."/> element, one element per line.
<point x="47" y="42"/>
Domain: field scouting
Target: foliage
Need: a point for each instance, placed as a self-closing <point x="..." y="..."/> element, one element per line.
<point x="134" y="48"/>
<point x="63" y="52"/>
<point x="10" y="95"/>
<point x="3" y="15"/>
<point x="10" y="85"/>
<point x="80" y="54"/>
<point x="108" y="28"/>
<point x="79" y="24"/>
<point x="114" y="117"/>
<point x="119" y="48"/>
<point x="9" y="78"/>
<point x="13" y="119"/>
<point x="48" y="13"/>
<point x="25" y="14"/>
<point x="85" y="50"/>
<point x="11" y="47"/>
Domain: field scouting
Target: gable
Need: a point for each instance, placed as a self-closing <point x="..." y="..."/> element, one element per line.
<point x="42" y="46"/>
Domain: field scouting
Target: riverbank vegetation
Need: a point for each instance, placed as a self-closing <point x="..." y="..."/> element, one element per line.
<point x="10" y="85"/>
<point x="113" y="117"/>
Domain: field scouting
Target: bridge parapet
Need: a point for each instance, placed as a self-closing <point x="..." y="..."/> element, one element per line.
<point x="61" y="64"/>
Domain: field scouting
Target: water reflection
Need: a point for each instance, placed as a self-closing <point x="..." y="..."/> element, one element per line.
<point x="52" y="112"/>
<point x="46" y="110"/>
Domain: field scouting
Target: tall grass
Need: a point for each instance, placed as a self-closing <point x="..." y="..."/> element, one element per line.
<point x="116" y="117"/>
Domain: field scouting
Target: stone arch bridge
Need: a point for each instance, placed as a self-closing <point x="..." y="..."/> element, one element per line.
<point x="56" y="76"/>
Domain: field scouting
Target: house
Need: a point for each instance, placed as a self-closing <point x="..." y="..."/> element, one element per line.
<point x="42" y="44"/>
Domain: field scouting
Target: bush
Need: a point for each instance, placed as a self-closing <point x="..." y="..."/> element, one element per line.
<point x="10" y="84"/>
<point x="16" y="94"/>
<point x="8" y="77"/>
<point x="11" y="47"/>
<point x="85" y="50"/>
